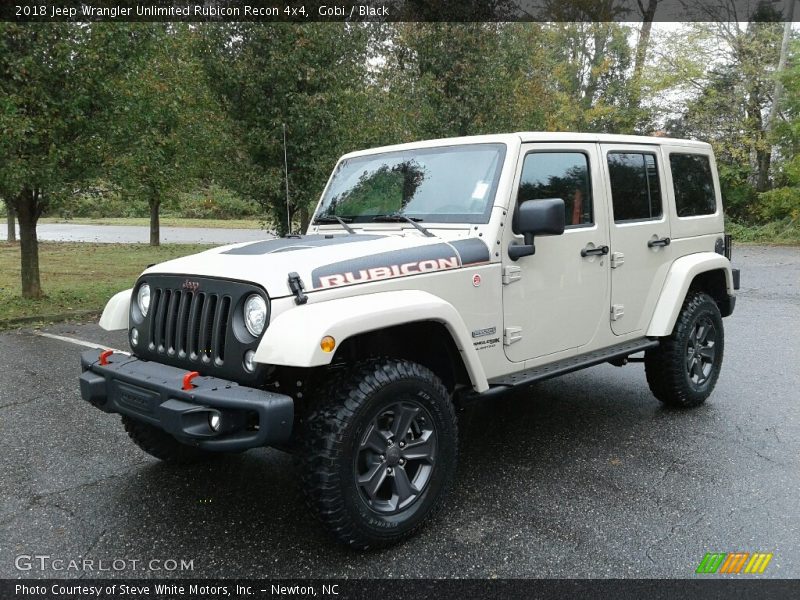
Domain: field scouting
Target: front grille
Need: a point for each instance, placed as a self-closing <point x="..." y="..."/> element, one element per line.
<point x="189" y="325"/>
<point x="196" y="323"/>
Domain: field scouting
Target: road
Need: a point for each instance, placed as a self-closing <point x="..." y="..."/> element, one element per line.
<point x="584" y="476"/>
<point x="131" y="234"/>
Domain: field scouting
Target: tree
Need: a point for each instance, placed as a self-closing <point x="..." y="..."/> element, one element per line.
<point x="165" y="127"/>
<point x="52" y="87"/>
<point x="304" y="77"/>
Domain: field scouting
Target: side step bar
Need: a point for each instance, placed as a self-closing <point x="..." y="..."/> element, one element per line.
<point x="505" y="383"/>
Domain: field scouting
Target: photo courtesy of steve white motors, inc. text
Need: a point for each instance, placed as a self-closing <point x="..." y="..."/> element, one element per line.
<point x="197" y="11"/>
<point x="172" y="590"/>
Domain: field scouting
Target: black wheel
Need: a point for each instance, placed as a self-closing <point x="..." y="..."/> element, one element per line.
<point x="684" y="369"/>
<point x="162" y="445"/>
<point x="379" y="452"/>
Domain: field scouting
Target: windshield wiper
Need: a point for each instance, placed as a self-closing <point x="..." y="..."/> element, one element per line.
<point x="330" y="219"/>
<point x="399" y="218"/>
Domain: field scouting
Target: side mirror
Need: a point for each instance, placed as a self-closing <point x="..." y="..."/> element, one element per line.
<point x="537" y="217"/>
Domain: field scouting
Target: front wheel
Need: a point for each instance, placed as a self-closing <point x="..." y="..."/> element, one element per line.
<point x="683" y="370"/>
<point x="379" y="452"/>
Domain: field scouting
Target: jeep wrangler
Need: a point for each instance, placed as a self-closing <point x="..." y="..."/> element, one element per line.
<point x="432" y="273"/>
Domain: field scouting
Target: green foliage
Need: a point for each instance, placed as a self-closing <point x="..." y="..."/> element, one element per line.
<point x="54" y="87"/>
<point x="159" y="111"/>
<point x="785" y="231"/>
<point x="166" y="128"/>
<point x="214" y="202"/>
<point x="99" y="199"/>
<point x="780" y="203"/>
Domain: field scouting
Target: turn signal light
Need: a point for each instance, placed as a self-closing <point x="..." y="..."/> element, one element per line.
<point x="327" y="344"/>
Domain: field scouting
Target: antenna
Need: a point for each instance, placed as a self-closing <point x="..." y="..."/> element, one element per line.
<point x="286" y="177"/>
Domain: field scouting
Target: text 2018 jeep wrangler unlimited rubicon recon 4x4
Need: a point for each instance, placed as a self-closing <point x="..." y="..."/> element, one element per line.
<point x="432" y="272"/>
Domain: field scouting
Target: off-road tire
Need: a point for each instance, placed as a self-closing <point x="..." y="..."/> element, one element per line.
<point x="162" y="445"/>
<point x="332" y="444"/>
<point x="667" y="366"/>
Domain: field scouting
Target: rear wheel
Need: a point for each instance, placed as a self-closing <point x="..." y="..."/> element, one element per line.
<point x="379" y="452"/>
<point x="162" y="445"/>
<point x="684" y="369"/>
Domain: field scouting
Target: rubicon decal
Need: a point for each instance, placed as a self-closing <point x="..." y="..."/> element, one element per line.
<point x="734" y="563"/>
<point x="401" y="263"/>
<point x="374" y="273"/>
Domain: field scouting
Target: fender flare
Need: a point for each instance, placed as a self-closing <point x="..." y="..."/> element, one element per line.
<point x="676" y="285"/>
<point x="115" y="314"/>
<point x="293" y="338"/>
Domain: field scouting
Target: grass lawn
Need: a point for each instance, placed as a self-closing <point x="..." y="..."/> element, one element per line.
<point x="76" y="277"/>
<point x="165" y="222"/>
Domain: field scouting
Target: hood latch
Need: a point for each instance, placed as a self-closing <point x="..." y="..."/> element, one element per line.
<point x="297" y="287"/>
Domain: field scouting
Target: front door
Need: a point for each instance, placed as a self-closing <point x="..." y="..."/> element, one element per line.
<point x="555" y="300"/>
<point x="641" y="253"/>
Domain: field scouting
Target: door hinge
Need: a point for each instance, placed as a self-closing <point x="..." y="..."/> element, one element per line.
<point x="511" y="335"/>
<point x="617" y="259"/>
<point x="511" y="274"/>
<point x="617" y="311"/>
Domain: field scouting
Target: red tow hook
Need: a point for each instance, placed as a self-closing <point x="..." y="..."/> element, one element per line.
<point x="104" y="357"/>
<point x="187" y="380"/>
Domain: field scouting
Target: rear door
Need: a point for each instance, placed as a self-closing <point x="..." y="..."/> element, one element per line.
<point x="640" y="232"/>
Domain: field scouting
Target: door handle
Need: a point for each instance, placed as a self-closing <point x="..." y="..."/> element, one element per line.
<point x="599" y="251"/>
<point x="662" y="242"/>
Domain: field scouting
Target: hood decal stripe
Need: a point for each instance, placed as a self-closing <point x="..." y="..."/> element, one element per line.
<point x="401" y="263"/>
<point x="300" y="243"/>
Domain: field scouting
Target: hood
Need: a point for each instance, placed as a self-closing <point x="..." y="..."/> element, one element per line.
<point x="328" y="261"/>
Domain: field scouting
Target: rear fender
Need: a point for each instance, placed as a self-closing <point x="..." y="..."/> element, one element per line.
<point x="679" y="278"/>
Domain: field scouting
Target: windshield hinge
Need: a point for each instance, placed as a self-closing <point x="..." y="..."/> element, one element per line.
<point x="297" y="287"/>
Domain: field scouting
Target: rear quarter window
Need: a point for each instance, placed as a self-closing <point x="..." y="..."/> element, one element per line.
<point x="693" y="184"/>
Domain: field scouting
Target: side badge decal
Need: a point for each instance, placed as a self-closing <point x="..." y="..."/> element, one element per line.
<point x="476" y="280"/>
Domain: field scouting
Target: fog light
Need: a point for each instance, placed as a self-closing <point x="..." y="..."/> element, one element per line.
<point x="249" y="361"/>
<point x="215" y="421"/>
<point x="134" y="336"/>
<point x="327" y="344"/>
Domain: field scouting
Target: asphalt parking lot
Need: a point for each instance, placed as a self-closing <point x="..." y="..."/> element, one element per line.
<point x="584" y="476"/>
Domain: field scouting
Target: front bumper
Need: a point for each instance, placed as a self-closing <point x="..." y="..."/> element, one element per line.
<point x="152" y="392"/>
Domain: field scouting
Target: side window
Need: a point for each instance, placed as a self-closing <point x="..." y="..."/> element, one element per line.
<point x="562" y="175"/>
<point x="635" y="188"/>
<point x="694" y="185"/>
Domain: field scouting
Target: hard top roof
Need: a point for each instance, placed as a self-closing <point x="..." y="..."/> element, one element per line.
<point x="537" y="136"/>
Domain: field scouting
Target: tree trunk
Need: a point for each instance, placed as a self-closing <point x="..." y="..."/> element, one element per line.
<point x="304" y="217"/>
<point x="642" y="45"/>
<point x="776" y="96"/>
<point x="155" y="226"/>
<point x="27" y="209"/>
<point x="764" y="159"/>
<point x="12" y="228"/>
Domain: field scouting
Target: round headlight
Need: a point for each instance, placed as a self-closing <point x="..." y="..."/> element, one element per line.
<point x="143" y="299"/>
<point x="255" y="315"/>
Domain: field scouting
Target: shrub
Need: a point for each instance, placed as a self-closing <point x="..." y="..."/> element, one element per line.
<point x="98" y="200"/>
<point x="780" y="203"/>
<point x="215" y="202"/>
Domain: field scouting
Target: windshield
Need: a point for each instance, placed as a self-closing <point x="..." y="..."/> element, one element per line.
<point x="454" y="184"/>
